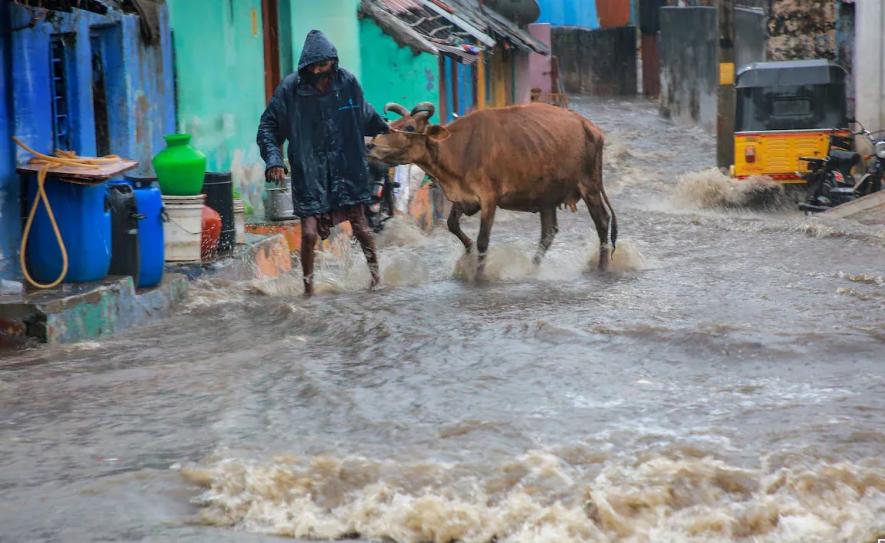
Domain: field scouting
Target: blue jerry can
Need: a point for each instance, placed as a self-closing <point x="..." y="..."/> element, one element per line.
<point x="149" y="203"/>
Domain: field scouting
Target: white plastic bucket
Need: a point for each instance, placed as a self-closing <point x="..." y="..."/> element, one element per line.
<point x="240" y="221"/>
<point x="183" y="227"/>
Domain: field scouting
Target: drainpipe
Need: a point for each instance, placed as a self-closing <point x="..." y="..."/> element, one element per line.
<point x="727" y="94"/>
<point x="480" y="81"/>
<point x="443" y="106"/>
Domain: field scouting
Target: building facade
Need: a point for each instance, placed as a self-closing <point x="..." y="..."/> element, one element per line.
<point x="95" y="81"/>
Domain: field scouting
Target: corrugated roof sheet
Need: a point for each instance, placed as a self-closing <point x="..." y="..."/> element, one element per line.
<point x="448" y="27"/>
<point x="495" y="23"/>
<point x="66" y="5"/>
<point x="411" y="23"/>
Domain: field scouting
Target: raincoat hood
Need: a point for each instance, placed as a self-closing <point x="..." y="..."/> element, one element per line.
<point x="317" y="48"/>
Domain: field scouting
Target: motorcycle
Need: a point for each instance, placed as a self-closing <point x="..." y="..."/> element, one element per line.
<point x="871" y="181"/>
<point x="830" y="180"/>
<point x="383" y="204"/>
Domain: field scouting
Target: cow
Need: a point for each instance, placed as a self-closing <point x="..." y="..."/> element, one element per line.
<point x="533" y="157"/>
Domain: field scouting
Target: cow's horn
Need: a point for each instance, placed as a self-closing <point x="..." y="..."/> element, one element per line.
<point x="396" y="108"/>
<point x="424" y="106"/>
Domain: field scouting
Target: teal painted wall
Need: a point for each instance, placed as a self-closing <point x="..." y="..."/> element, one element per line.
<point x="337" y="19"/>
<point x="395" y="74"/>
<point x="219" y="65"/>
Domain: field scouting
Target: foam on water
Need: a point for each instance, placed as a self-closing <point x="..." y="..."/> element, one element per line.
<point x="542" y="496"/>
<point x="514" y="262"/>
<point x="823" y="227"/>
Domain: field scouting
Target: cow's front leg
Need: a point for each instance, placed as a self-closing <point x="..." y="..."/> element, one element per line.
<point x="454" y="224"/>
<point x="487" y="218"/>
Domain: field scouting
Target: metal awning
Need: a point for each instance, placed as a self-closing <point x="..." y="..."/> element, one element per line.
<point x="94" y="6"/>
<point x="448" y="13"/>
<point x="449" y="27"/>
<point x="412" y="23"/>
<point x="790" y="73"/>
<point x="496" y="24"/>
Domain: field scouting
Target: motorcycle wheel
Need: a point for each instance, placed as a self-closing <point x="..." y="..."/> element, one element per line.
<point x="869" y="184"/>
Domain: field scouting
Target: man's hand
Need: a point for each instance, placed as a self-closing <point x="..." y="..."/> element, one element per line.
<point x="276" y="174"/>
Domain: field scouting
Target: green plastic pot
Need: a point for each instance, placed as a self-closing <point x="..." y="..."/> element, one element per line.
<point x="180" y="167"/>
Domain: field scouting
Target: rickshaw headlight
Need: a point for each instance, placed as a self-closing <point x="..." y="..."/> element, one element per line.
<point x="880" y="150"/>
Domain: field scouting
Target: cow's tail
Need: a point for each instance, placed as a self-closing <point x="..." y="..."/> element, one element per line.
<point x="614" y="225"/>
<point x="598" y="172"/>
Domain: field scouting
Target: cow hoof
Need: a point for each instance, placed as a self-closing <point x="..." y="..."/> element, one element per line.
<point x="604" y="259"/>
<point x="536" y="260"/>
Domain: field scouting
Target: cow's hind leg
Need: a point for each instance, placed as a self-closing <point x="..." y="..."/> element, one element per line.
<point x="487" y="219"/>
<point x="454" y="223"/>
<point x="600" y="216"/>
<point x="548" y="232"/>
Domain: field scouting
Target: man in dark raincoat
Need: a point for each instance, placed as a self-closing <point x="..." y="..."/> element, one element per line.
<point x="321" y="112"/>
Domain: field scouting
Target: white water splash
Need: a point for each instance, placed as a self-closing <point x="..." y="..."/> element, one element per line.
<point x="712" y="189"/>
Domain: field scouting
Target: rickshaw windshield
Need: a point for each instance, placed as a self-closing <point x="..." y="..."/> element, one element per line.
<point x="795" y="107"/>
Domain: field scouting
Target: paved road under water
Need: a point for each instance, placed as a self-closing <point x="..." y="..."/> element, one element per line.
<point x="726" y="383"/>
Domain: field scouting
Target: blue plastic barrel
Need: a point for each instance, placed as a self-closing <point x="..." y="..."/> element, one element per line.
<point x="85" y="224"/>
<point x="149" y="203"/>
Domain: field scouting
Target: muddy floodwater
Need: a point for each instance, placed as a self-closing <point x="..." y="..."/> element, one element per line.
<point x="725" y="383"/>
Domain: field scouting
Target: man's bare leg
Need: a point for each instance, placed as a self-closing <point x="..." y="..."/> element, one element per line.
<point x="361" y="231"/>
<point x="309" y="238"/>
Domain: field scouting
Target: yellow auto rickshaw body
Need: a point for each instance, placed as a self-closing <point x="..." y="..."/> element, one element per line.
<point x="787" y="110"/>
<point x="776" y="154"/>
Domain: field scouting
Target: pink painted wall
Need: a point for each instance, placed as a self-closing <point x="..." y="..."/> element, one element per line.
<point x="523" y="79"/>
<point x="539" y="65"/>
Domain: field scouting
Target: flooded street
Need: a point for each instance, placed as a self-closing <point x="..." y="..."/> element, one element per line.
<point x="724" y="383"/>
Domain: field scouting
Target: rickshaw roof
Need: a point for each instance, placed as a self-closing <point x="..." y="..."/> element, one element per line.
<point x="790" y="73"/>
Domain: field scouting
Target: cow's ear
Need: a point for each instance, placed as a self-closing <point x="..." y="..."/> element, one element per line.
<point x="437" y="132"/>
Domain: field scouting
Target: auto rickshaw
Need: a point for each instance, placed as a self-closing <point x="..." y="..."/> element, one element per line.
<point x="787" y="110"/>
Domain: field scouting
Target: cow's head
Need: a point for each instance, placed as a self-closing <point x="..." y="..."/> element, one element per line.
<point x="411" y="121"/>
<point x="405" y="147"/>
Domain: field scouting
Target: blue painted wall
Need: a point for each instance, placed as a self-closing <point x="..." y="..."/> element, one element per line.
<point x="10" y="228"/>
<point x="138" y="83"/>
<point x="569" y="13"/>
<point x="466" y="99"/>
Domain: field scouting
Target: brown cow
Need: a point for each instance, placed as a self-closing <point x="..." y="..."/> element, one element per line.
<point x="534" y="158"/>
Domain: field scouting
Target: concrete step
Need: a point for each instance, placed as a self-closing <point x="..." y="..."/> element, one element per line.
<point x="86" y="311"/>
<point x="867" y="210"/>
<point x="89" y="311"/>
